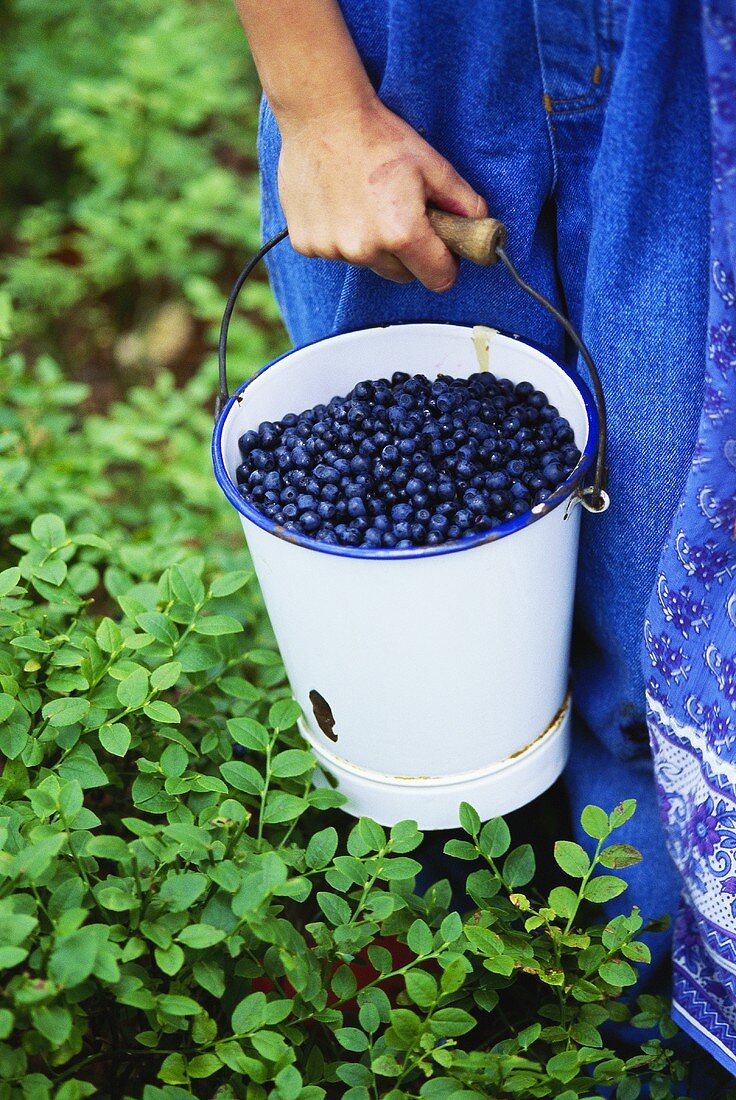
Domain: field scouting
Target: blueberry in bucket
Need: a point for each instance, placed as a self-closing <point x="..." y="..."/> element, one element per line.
<point x="409" y="462"/>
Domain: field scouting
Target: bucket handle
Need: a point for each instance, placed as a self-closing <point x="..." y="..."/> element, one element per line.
<point x="482" y="240"/>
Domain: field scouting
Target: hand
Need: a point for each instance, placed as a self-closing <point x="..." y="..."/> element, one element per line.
<point x="355" y="184"/>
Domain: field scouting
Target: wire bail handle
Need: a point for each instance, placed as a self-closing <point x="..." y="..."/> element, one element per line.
<point x="482" y="240"/>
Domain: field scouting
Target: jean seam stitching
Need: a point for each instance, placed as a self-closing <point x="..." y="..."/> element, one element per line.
<point x="548" y="120"/>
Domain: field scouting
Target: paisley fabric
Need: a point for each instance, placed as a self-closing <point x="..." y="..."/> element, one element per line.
<point x="690" y="630"/>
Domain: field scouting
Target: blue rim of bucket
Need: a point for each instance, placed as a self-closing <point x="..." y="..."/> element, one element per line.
<point x="560" y="495"/>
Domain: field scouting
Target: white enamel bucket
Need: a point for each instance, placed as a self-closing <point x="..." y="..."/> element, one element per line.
<point x="435" y="675"/>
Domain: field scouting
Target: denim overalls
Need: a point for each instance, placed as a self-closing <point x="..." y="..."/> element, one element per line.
<point x="584" y="123"/>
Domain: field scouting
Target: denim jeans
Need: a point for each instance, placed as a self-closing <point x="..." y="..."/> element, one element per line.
<point x="585" y="125"/>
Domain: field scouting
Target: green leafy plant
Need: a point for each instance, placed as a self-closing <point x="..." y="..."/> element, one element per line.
<point x="128" y="135"/>
<point x="182" y="913"/>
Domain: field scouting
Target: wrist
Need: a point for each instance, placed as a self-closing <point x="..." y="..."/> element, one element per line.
<point x="330" y="107"/>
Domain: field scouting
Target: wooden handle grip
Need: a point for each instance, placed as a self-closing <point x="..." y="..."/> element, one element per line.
<point x="475" y="239"/>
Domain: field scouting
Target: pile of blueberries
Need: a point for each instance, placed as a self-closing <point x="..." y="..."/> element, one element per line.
<point x="408" y="462"/>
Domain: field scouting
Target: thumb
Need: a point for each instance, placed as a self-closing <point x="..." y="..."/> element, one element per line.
<point x="447" y="189"/>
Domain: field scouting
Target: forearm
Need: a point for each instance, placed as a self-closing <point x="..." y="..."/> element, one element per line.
<point x="307" y="61"/>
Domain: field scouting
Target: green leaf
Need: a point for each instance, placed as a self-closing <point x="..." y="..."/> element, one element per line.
<point x="564" y="901"/>
<point x="519" y="866"/>
<point x="165" y="676"/>
<point x="54" y="1022"/>
<point x="292" y="762"/>
<point x="174" y="1004"/>
<point x="65" y="711"/>
<point x="289" y="1083"/>
<point x="420" y="938"/>
<point x="180" y="890"/>
<point x="89" y="539"/>
<point x="369" y="1018"/>
<point x="623" y="812"/>
<point x="239" y="688"/>
<point x="284" y="713"/>
<point x="108" y="847"/>
<point x="230" y="582"/>
<point x="243" y="777"/>
<point x="216" y="625"/>
<point x="73" y="957"/>
<point x="405" y="837"/>
<point x="421" y="987"/>
<point x="321" y="848"/>
<point x="161" y="628"/>
<point x="13" y="738"/>
<point x="35" y="859"/>
<point x="367" y="836"/>
<point x="603" y="888"/>
<point x="8" y="580"/>
<point x="448" y="1023"/>
<point x="109" y="636"/>
<point x="400" y="869"/>
<point x="7" y="706"/>
<point x="495" y="838"/>
<point x="282" y="807"/>
<point x="637" y="952"/>
<point x="617" y="972"/>
<point x="460" y="849"/>
<point x="249" y="733"/>
<point x="186" y="585"/>
<point x="617" y="856"/>
<point x="565" y="1066"/>
<point x="133" y="690"/>
<point x="49" y="530"/>
<point x="352" y="1039"/>
<point x="451" y="927"/>
<point x="203" y="1065"/>
<point x="169" y="959"/>
<point x="572" y="858"/>
<point x="200" y="936"/>
<point x="469" y="819"/>
<point x="210" y="976"/>
<point x="160" y="711"/>
<point x="115" y="738"/>
<point x="336" y="909"/>
<point x="595" y="822"/>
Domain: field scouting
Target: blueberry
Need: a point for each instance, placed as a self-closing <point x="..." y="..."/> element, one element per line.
<point x="401" y="512"/>
<point x="309" y="521"/>
<point x="247" y="443"/>
<point x="356" y="507"/>
<point x="326" y="473"/>
<point x="554" y="474"/>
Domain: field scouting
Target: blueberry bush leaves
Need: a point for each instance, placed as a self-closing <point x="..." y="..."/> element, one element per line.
<point x="182" y="914"/>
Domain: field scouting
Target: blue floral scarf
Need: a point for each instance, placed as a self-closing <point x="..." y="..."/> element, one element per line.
<point x="690" y="633"/>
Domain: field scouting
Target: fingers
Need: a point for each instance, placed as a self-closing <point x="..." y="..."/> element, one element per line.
<point x="424" y="255"/>
<point x="448" y="190"/>
<point x="388" y="267"/>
